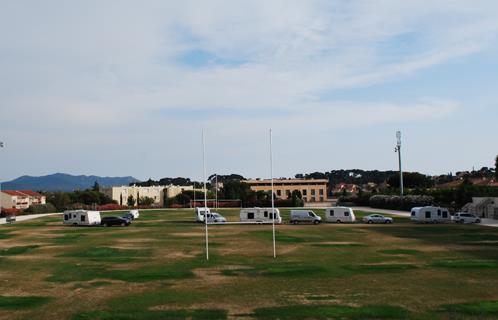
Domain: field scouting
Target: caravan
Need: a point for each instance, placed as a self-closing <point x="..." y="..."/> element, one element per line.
<point x="260" y="215"/>
<point x="339" y="214"/>
<point x="430" y="214"/>
<point x="81" y="218"/>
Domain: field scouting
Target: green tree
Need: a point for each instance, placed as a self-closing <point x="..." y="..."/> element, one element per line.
<point x="496" y="168"/>
<point x="131" y="200"/>
<point x="120" y="199"/>
<point x="146" y="201"/>
<point x="96" y="186"/>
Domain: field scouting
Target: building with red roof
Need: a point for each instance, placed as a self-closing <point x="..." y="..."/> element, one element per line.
<point x="20" y="199"/>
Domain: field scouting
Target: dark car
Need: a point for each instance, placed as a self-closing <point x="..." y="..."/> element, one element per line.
<point x="114" y="221"/>
<point x="128" y="216"/>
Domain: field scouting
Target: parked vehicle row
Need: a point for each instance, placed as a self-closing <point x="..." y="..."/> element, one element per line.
<point x="93" y="218"/>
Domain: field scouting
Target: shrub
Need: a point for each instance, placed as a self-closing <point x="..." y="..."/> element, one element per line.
<point x="9" y="212"/>
<point x="400" y="203"/>
<point x="40" y="208"/>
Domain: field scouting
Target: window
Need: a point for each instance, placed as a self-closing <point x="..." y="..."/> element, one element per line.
<point x="288" y="193"/>
<point x="266" y="214"/>
<point x="312" y="192"/>
<point x="413" y="213"/>
<point x="66" y="217"/>
<point x="250" y="215"/>
<point x="82" y="218"/>
<point x="331" y="213"/>
<point x="427" y="214"/>
<point x="279" y="193"/>
<point x="321" y="192"/>
<point x="346" y="213"/>
<point x="438" y="212"/>
<point x="310" y="214"/>
<point x="305" y="192"/>
<point x="271" y="216"/>
<point x="321" y="199"/>
<point x="445" y="214"/>
<point x="313" y="199"/>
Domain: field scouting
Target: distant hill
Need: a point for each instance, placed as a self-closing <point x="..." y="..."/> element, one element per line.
<point x="64" y="182"/>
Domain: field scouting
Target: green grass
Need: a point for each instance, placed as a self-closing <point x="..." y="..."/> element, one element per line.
<point x="156" y="269"/>
<point x="482" y="308"/>
<point x="17" y="250"/>
<point x="25" y="302"/>
<point x="331" y="312"/>
<point x="204" y="314"/>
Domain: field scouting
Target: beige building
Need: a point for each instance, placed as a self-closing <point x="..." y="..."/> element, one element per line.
<point x="20" y="199"/>
<point x="158" y="193"/>
<point x="312" y="190"/>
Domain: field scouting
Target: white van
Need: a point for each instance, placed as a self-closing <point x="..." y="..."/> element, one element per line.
<point x="259" y="215"/>
<point x="339" y="214"/>
<point x="306" y="216"/>
<point x="430" y="214"/>
<point x="81" y="218"/>
<point x="135" y="213"/>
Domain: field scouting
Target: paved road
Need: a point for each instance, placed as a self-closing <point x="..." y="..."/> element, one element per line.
<point x="28" y="217"/>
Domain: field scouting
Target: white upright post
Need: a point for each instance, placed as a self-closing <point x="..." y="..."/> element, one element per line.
<point x="216" y="191"/>
<point x="398" y="149"/>
<point x="1" y="146"/>
<point x="272" y="200"/>
<point x="205" y="194"/>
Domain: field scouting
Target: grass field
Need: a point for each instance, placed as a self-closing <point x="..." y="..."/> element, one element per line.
<point x="156" y="269"/>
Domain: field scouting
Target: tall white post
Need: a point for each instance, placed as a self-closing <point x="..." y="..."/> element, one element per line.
<point x="205" y="194"/>
<point x="272" y="200"/>
<point x="216" y="191"/>
<point x="398" y="148"/>
<point x="1" y="146"/>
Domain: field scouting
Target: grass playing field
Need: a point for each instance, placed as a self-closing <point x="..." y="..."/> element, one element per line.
<point x="156" y="269"/>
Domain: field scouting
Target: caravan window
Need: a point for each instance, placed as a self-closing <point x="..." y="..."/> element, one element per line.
<point x="82" y="218"/>
<point x="413" y="213"/>
<point x="266" y="214"/>
<point x="438" y="212"/>
<point x="445" y="214"/>
<point x="271" y="215"/>
<point x="331" y="213"/>
<point x="346" y="213"/>
<point x="66" y="217"/>
<point x="250" y="215"/>
<point x="427" y="214"/>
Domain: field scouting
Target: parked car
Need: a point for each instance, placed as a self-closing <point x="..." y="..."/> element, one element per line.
<point x="128" y="216"/>
<point x="114" y="221"/>
<point x="463" y="217"/>
<point x="216" y="217"/>
<point x="306" y="216"/>
<point x="377" y="218"/>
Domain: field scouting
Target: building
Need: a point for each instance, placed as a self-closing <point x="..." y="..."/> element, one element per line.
<point x="158" y="193"/>
<point x="20" y="199"/>
<point x="484" y="207"/>
<point x="312" y="190"/>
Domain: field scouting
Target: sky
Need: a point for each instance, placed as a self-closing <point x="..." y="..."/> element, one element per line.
<point x="118" y="88"/>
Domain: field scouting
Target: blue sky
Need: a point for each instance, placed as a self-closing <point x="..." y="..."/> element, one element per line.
<point x="120" y="88"/>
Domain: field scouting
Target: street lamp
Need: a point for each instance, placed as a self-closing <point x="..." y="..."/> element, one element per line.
<point x="398" y="150"/>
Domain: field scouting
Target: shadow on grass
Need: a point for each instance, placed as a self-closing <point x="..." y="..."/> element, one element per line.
<point x="331" y="312"/>
<point x="478" y="309"/>
<point x="16" y="303"/>
<point x="17" y="250"/>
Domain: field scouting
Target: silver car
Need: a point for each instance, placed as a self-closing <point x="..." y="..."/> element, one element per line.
<point x="377" y="218"/>
<point x="463" y="217"/>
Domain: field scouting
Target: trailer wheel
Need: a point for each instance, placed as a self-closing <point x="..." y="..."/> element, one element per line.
<point x="478" y="220"/>
<point x="338" y="221"/>
<point x="316" y="222"/>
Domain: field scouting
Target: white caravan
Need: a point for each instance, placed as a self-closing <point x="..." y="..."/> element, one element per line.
<point x="200" y="213"/>
<point x="81" y="218"/>
<point x="135" y="213"/>
<point x="339" y="214"/>
<point x="430" y="214"/>
<point x="259" y="215"/>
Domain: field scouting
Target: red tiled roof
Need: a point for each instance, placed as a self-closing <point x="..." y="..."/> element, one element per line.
<point x="22" y="193"/>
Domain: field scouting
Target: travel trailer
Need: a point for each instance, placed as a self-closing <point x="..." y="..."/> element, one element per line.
<point x="200" y="212"/>
<point x="135" y="213"/>
<point x="81" y="218"/>
<point x="339" y="214"/>
<point x="305" y="216"/>
<point x="259" y="215"/>
<point x="430" y="214"/>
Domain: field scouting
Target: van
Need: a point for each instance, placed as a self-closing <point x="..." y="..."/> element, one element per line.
<point x="339" y="214"/>
<point x="306" y="216"/>
<point x="260" y="215"/>
<point x="430" y="214"/>
<point x="81" y="218"/>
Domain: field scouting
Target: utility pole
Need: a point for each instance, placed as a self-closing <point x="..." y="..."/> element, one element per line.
<point x="205" y="194"/>
<point x="1" y="146"/>
<point x="216" y="191"/>
<point x="272" y="199"/>
<point x="398" y="150"/>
